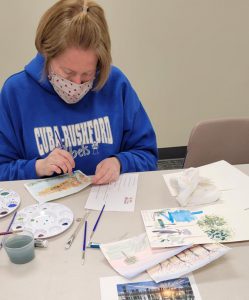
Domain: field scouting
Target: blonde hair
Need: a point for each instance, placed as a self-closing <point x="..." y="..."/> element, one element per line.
<point x="75" y="23"/>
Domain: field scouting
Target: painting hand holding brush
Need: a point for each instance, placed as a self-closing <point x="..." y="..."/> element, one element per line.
<point x="58" y="161"/>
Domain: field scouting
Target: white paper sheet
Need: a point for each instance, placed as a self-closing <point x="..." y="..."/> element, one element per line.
<point x="187" y="261"/>
<point x="112" y="288"/>
<point x="222" y="174"/>
<point x="132" y="256"/>
<point x="238" y="197"/>
<point x="117" y="196"/>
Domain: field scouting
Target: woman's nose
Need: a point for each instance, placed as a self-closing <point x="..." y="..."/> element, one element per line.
<point x="77" y="79"/>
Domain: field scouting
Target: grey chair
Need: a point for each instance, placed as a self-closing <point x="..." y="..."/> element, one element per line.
<point x="221" y="139"/>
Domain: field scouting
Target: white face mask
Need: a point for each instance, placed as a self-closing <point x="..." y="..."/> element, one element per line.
<point x="69" y="91"/>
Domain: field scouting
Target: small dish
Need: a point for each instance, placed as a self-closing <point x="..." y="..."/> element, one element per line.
<point x="9" y="201"/>
<point x="44" y="220"/>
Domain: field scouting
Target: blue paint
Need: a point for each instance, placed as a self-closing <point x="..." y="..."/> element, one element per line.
<point x="197" y="212"/>
<point x="12" y="205"/>
<point x="171" y="217"/>
<point x="161" y="224"/>
<point x="94" y="245"/>
<point x="164" y="215"/>
<point x="181" y="216"/>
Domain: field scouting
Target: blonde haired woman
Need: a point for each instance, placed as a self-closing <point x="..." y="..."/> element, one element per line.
<point x="69" y="108"/>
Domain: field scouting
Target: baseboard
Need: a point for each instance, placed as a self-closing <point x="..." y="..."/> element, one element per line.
<point x="172" y="152"/>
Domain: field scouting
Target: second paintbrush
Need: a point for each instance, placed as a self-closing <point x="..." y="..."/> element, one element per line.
<point x="96" y="224"/>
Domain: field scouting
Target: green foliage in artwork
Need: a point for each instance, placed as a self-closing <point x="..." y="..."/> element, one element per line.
<point x="215" y="228"/>
<point x="211" y="221"/>
<point x="218" y="234"/>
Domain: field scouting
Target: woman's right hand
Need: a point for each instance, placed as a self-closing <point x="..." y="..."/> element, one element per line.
<point x="58" y="161"/>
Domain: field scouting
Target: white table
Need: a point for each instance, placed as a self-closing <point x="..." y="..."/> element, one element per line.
<point x="56" y="273"/>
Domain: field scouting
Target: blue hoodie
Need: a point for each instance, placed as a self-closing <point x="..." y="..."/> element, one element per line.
<point x="109" y="122"/>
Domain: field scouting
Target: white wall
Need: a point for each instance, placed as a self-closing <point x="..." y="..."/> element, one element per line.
<point x="187" y="59"/>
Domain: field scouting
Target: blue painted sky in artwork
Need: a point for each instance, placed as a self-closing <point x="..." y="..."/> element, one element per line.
<point x="181" y="215"/>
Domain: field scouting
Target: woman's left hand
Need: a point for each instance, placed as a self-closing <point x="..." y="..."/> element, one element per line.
<point x="107" y="171"/>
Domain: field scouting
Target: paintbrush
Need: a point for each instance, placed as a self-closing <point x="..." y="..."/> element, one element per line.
<point x="61" y="146"/>
<point x="10" y="232"/>
<point x="8" y="229"/>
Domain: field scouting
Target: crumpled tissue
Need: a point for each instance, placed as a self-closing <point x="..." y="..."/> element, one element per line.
<point x="192" y="189"/>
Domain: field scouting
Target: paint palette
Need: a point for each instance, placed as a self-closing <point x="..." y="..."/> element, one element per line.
<point x="44" y="220"/>
<point x="9" y="201"/>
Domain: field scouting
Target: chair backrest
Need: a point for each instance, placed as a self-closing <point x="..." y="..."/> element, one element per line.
<point x="223" y="139"/>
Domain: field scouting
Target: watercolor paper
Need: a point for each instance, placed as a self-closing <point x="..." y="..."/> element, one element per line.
<point x="52" y="188"/>
<point x="187" y="261"/>
<point x="171" y="227"/>
<point x="222" y="174"/>
<point x="132" y="256"/>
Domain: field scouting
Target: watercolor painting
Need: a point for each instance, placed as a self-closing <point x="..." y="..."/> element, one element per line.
<point x="133" y="256"/>
<point x="172" y="289"/>
<point x="215" y="227"/>
<point x="171" y="227"/>
<point x="67" y="183"/>
<point x="187" y="261"/>
<point x="52" y="188"/>
<point x="119" y="288"/>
